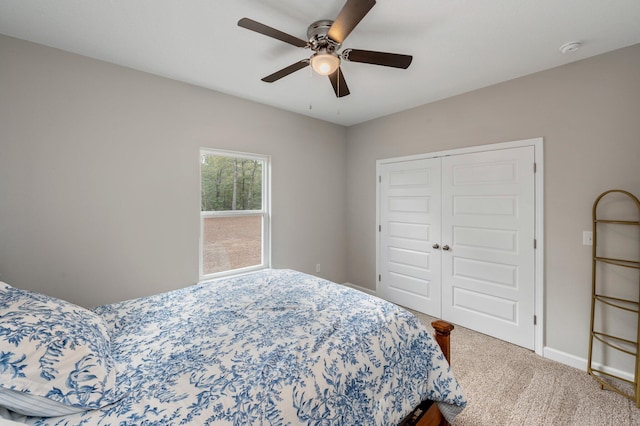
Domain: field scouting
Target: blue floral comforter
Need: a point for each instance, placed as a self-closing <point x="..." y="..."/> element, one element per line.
<point x="276" y="347"/>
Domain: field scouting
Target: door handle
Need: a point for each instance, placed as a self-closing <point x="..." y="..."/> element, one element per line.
<point x="436" y="246"/>
<point x="445" y="247"/>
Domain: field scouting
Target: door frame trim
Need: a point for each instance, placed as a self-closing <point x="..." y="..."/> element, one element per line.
<point x="537" y="143"/>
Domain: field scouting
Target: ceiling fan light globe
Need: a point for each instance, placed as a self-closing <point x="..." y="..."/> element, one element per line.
<point x="325" y="63"/>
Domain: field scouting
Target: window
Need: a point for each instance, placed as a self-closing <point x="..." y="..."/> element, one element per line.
<point x="234" y="213"/>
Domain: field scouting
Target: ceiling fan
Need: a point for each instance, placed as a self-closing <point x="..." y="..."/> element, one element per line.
<point x="325" y="39"/>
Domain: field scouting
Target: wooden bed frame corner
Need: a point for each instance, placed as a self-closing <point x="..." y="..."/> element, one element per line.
<point x="427" y="413"/>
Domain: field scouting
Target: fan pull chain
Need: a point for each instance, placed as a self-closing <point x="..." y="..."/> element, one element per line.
<point x="338" y="97"/>
<point x="309" y="91"/>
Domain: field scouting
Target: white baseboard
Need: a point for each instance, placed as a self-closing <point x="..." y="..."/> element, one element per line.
<point x="565" y="358"/>
<point x="362" y="289"/>
<point x="581" y="363"/>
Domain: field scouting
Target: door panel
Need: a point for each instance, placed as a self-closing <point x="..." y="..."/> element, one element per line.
<point x="488" y="222"/>
<point x="409" y="267"/>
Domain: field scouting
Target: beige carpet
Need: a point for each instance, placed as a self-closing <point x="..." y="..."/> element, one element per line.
<point x="509" y="385"/>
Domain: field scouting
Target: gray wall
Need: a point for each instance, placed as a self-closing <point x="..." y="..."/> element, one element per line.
<point x="99" y="177"/>
<point x="587" y="112"/>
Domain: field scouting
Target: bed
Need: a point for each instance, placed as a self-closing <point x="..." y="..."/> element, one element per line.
<point x="275" y="347"/>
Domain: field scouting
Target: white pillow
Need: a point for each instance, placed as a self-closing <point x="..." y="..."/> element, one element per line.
<point x="55" y="357"/>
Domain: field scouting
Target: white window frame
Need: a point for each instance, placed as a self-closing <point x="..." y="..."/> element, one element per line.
<point x="265" y="212"/>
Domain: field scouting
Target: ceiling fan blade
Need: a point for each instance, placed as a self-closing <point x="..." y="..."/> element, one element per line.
<point x="395" y="60"/>
<point x="351" y="14"/>
<point x="286" y="71"/>
<point x="252" y="25"/>
<point x="339" y="83"/>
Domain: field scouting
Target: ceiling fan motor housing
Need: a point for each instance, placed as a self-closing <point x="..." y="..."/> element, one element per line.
<point x="318" y="38"/>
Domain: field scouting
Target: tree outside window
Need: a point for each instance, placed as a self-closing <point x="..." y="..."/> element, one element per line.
<point x="233" y="213"/>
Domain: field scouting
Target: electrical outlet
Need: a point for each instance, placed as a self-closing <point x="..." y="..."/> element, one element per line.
<point x="587" y="238"/>
<point x="317" y="267"/>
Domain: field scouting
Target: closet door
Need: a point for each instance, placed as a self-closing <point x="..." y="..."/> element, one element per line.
<point x="409" y="265"/>
<point x="488" y="220"/>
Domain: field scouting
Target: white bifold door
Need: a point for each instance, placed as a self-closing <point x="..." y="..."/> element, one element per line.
<point x="410" y="217"/>
<point x="457" y="239"/>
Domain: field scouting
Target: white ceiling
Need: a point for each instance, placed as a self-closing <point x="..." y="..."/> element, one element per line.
<point x="457" y="45"/>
